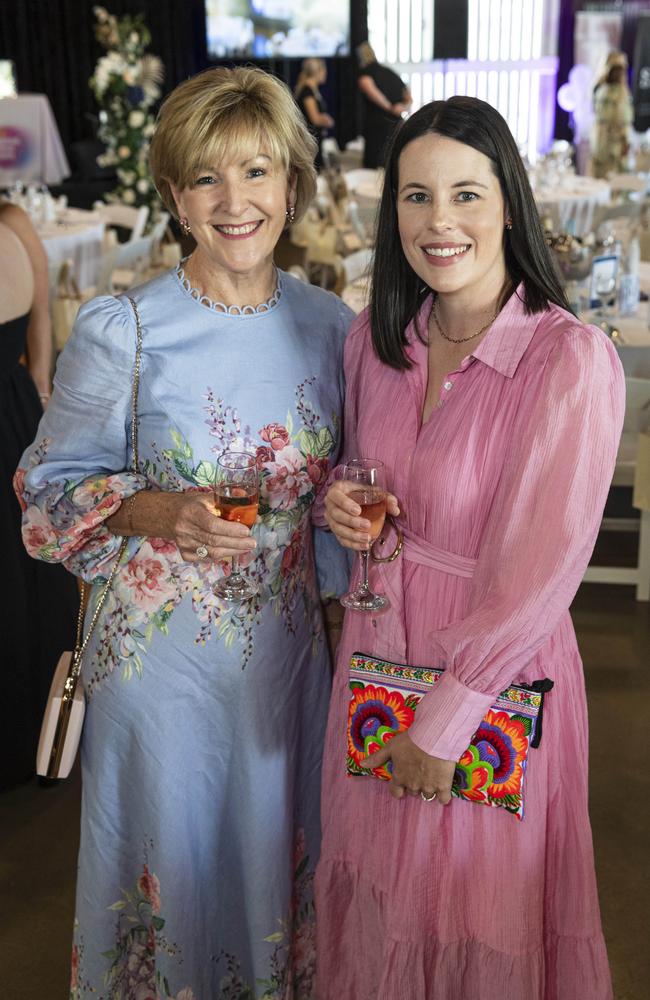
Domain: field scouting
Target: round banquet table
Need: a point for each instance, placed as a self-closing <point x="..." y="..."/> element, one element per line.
<point x="571" y="204"/>
<point x="77" y="235"/>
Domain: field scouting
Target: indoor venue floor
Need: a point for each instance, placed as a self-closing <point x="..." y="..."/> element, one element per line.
<point x="38" y="827"/>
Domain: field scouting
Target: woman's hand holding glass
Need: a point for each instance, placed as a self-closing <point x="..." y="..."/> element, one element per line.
<point x="343" y="515"/>
<point x="191" y="522"/>
<point x="365" y="493"/>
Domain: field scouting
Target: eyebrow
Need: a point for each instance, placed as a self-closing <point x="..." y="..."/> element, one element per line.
<point x="458" y="184"/>
<point x="242" y="163"/>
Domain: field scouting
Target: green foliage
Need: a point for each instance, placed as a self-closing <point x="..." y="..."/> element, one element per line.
<point x="126" y="85"/>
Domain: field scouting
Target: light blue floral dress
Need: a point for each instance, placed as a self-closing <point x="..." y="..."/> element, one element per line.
<point x="201" y="749"/>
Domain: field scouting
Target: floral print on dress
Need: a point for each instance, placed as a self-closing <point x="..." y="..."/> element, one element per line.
<point x="293" y="960"/>
<point x="134" y="972"/>
<point x="293" y="463"/>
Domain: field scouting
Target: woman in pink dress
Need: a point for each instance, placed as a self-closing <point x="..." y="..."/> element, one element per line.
<point x="497" y="415"/>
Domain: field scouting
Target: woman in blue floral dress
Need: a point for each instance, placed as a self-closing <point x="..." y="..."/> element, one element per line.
<point x="202" y="742"/>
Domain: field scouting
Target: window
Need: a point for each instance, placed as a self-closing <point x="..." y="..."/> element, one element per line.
<point x="511" y="59"/>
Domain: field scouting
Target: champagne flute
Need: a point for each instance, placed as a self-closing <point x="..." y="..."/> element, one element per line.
<point x="236" y="498"/>
<point x="367" y="474"/>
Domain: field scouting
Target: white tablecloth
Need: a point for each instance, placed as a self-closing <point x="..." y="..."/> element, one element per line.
<point x="370" y="189"/>
<point x="571" y="205"/>
<point x="77" y="236"/>
<point x="631" y="334"/>
<point x="30" y="144"/>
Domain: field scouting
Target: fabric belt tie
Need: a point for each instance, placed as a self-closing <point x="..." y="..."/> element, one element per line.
<point x="418" y="550"/>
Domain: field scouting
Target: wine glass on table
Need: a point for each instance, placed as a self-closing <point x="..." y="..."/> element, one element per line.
<point x="236" y="498"/>
<point x="367" y="475"/>
<point x="605" y="287"/>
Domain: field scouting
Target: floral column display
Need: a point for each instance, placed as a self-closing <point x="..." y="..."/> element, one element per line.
<point x="126" y="85"/>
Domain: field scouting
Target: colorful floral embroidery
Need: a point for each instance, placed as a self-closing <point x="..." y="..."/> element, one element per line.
<point x="492" y="769"/>
<point x="501" y="741"/>
<point x="375" y="716"/>
<point x="66" y="523"/>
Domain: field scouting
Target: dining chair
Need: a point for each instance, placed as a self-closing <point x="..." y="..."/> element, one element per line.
<point x="124" y="265"/>
<point x="357" y="265"/>
<point x="124" y="217"/>
<point x="637" y="418"/>
<point x="299" y="272"/>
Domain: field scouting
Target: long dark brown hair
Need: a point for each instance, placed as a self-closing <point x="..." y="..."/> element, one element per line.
<point x="397" y="292"/>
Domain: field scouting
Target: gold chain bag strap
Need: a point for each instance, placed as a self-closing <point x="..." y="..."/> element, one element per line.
<point x="64" y="714"/>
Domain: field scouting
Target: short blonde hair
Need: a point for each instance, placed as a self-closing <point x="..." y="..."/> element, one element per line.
<point x="222" y="113"/>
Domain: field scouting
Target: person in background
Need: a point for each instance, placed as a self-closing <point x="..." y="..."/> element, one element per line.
<point x="385" y="100"/>
<point x="40" y="602"/>
<point x="497" y="416"/>
<point x="313" y="74"/>
<point x="205" y="720"/>
<point x="614" y="114"/>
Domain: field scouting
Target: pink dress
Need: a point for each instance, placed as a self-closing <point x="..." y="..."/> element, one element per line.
<point x="501" y="493"/>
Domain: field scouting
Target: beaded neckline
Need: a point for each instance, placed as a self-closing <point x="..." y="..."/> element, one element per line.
<point x="221" y="307"/>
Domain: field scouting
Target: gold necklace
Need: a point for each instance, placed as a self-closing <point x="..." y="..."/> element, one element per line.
<point x="457" y="340"/>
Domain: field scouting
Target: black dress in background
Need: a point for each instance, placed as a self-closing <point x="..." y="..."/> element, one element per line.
<point x="315" y="130"/>
<point x="378" y="125"/>
<point x="40" y="601"/>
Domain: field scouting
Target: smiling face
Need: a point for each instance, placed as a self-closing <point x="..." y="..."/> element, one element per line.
<point x="451" y="216"/>
<point x="237" y="211"/>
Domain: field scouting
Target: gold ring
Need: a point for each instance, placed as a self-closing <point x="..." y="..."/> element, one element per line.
<point x="398" y="544"/>
<point x="427" y="798"/>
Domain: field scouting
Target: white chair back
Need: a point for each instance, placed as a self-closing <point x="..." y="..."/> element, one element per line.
<point x="637" y="418"/>
<point x="132" y="259"/>
<point x="157" y="233"/>
<point x="299" y="272"/>
<point x="637" y="404"/>
<point x="125" y="216"/>
<point x="355" y="221"/>
<point x="330" y="151"/>
<point x="357" y="265"/>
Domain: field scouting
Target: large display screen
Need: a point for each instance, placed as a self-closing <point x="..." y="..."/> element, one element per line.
<point x="268" y="29"/>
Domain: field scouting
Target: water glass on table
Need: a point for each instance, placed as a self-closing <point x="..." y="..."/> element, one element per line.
<point x="367" y="475"/>
<point x="236" y="498"/>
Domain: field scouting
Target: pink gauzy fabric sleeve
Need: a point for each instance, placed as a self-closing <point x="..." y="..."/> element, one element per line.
<point x="538" y="538"/>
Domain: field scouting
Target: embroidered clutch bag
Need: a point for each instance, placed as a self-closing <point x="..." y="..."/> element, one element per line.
<point x="384" y="697"/>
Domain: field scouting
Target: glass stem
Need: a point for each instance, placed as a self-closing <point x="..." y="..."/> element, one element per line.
<point x="365" y="586"/>
<point x="234" y="568"/>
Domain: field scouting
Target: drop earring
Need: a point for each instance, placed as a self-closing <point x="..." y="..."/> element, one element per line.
<point x="508" y="223"/>
<point x="186" y="229"/>
<point x="290" y="214"/>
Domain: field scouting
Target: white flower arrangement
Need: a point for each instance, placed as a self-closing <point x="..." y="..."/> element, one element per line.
<point x="126" y="83"/>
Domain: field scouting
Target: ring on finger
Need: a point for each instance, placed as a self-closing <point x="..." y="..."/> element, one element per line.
<point x="201" y="551"/>
<point x="427" y="798"/>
